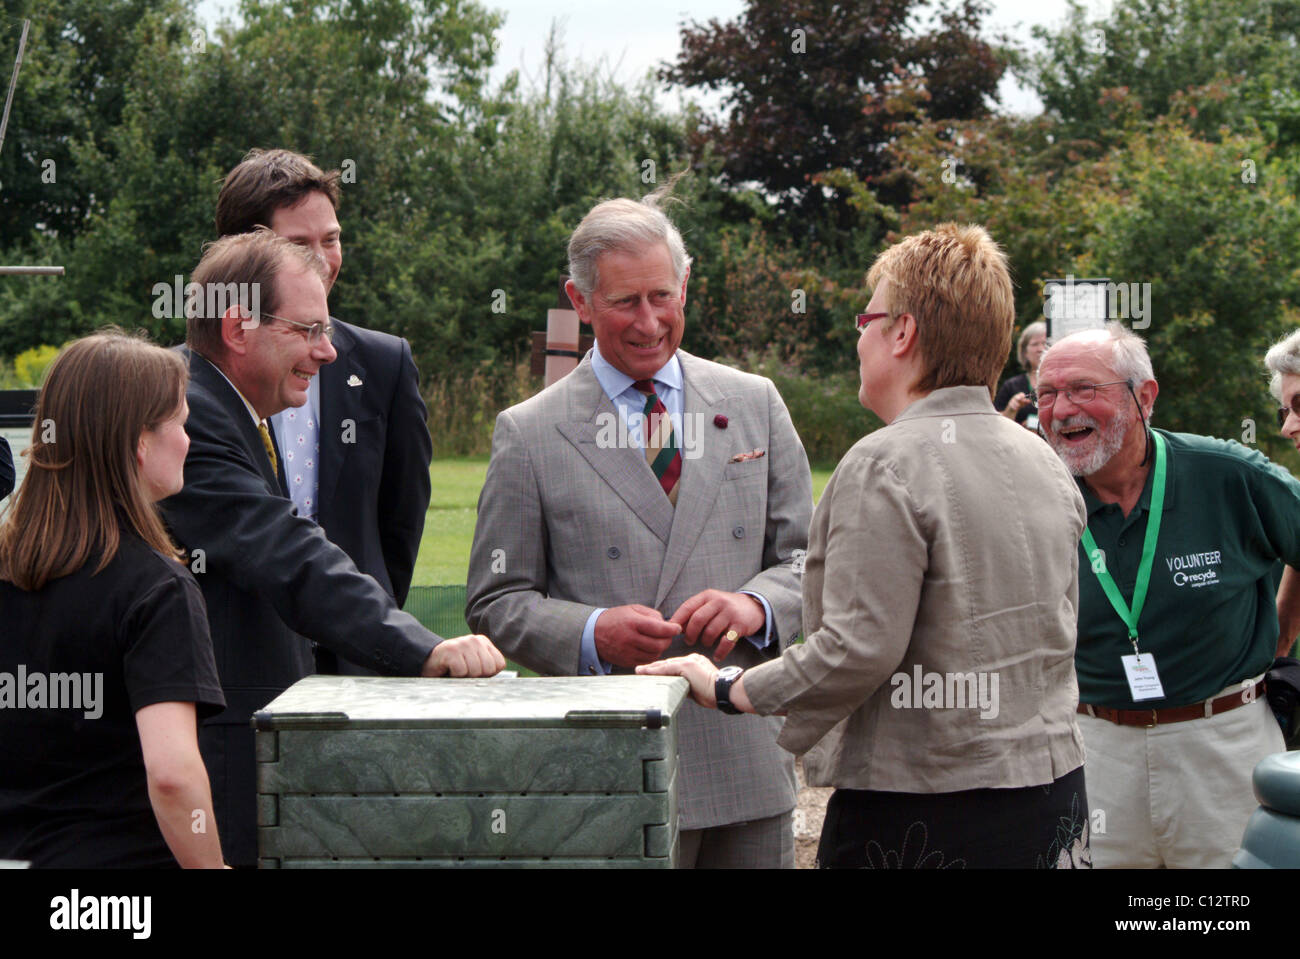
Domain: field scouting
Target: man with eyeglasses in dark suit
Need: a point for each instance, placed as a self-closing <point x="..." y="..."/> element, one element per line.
<point x="356" y="454"/>
<point x="271" y="581"/>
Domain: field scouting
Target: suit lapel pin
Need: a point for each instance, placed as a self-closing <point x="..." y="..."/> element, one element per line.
<point x="354" y="380"/>
<point x="720" y="421"/>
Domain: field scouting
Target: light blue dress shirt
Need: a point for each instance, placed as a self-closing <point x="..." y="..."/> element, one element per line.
<point x="301" y="461"/>
<point x="627" y="399"/>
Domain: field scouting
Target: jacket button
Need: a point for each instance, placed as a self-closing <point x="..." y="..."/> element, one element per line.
<point x="738" y="532"/>
<point x="613" y="552"/>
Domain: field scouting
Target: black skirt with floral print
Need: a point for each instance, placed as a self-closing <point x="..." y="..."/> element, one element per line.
<point x="1032" y="827"/>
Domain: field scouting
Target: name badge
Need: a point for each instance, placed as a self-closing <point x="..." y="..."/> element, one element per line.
<point x="1143" y="679"/>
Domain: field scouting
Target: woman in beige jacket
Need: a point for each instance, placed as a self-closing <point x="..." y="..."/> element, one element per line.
<point x="936" y="685"/>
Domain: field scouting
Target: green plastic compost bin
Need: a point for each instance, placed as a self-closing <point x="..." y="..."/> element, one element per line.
<point x="502" y="772"/>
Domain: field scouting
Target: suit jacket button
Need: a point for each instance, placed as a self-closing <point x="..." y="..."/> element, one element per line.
<point x="738" y="532"/>
<point x="613" y="552"/>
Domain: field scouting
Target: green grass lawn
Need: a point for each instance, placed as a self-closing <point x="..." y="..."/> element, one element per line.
<point x="449" y="524"/>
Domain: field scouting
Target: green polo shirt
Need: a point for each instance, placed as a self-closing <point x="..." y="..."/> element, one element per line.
<point x="1210" y="617"/>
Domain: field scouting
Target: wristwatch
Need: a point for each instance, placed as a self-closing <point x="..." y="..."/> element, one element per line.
<point x="722" y="683"/>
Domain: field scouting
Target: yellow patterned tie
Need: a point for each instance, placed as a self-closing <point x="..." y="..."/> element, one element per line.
<point x="270" y="447"/>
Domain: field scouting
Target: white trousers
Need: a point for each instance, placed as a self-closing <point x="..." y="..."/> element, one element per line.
<point x="1175" y="796"/>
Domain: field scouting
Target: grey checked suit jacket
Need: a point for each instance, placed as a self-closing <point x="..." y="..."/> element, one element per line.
<point x="568" y="522"/>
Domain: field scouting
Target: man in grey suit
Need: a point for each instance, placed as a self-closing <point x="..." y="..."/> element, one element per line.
<point x="649" y="502"/>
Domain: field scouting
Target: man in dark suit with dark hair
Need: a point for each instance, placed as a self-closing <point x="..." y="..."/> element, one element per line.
<point x="271" y="580"/>
<point x="356" y="456"/>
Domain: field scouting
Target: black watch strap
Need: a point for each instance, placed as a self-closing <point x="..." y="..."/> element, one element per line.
<point x="722" y="684"/>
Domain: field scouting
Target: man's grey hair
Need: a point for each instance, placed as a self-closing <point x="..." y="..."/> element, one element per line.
<point x="1128" y="351"/>
<point x="624" y="226"/>
<point x="1282" y="358"/>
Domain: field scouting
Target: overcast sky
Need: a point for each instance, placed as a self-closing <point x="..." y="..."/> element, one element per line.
<point x="632" y="38"/>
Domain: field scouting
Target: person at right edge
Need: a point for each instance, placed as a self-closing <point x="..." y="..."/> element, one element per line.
<point x="1177" y="616"/>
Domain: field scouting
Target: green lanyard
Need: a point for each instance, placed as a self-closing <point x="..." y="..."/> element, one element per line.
<point x="1108" y="584"/>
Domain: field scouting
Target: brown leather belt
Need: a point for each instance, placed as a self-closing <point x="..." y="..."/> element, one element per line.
<point x="1177" y="714"/>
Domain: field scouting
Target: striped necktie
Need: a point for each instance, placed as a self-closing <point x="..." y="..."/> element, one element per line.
<point x="661" y="450"/>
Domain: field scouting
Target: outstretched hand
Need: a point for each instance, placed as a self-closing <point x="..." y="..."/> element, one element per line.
<point x="695" y="669"/>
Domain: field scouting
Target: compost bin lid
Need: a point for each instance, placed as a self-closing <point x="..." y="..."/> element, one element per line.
<point x="352" y="701"/>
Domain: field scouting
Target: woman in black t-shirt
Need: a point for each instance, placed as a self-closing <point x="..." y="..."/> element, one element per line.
<point x="105" y="658"/>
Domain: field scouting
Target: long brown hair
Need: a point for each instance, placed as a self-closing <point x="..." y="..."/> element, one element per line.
<point x="83" y="478"/>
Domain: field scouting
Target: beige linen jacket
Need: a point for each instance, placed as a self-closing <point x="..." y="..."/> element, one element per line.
<point x="945" y="543"/>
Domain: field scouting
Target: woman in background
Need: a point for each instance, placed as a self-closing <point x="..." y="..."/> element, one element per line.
<point x="103" y="635"/>
<point x="1015" y="395"/>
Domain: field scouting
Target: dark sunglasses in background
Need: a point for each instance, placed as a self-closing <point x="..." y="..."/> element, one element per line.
<point x="1284" y="411"/>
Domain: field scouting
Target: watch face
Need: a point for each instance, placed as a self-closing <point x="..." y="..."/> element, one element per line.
<point x="729" y="672"/>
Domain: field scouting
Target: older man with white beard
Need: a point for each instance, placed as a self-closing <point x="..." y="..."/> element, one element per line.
<point x="1178" y="621"/>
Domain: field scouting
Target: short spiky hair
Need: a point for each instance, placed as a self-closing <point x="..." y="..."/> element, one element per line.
<point x="265" y="181"/>
<point x="954" y="281"/>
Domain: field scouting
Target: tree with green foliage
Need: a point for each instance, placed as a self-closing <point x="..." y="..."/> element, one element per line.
<point x="1157" y="49"/>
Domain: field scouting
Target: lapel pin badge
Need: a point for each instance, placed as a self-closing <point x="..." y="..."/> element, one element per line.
<point x="720" y="421"/>
<point x="354" y="380"/>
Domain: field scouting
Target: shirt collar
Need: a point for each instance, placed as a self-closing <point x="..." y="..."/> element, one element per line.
<point x="1143" y="504"/>
<point x="615" y="382"/>
<point x="257" y="420"/>
<point x="949" y="400"/>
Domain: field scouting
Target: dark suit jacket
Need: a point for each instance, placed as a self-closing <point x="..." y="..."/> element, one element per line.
<point x="373" y="482"/>
<point x="6" y="469"/>
<point x="269" y="578"/>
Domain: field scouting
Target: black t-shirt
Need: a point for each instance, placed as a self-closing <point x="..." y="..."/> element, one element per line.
<point x="73" y="790"/>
